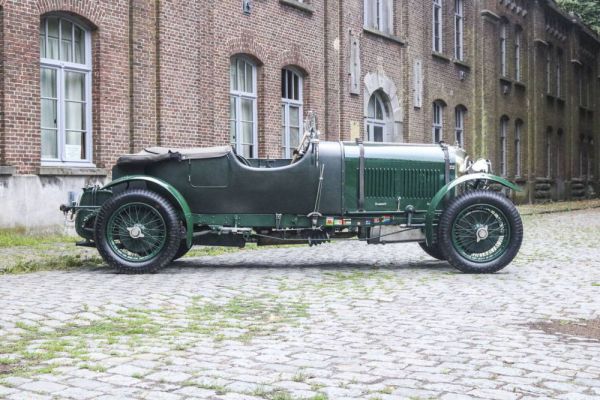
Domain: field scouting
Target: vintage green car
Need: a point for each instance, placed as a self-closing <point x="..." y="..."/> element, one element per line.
<point x="162" y="201"/>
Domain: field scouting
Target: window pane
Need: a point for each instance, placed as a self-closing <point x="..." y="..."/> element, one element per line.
<point x="49" y="114"/>
<point x="66" y="49"/>
<point x="43" y="39"/>
<point x="247" y="128"/>
<point x="74" y="86"/>
<point x="233" y="75"/>
<point x="247" y="110"/>
<point x="378" y="134"/>
<point x="49" y="143"/>
<point x="294" y="137"/>
<point x="241" y="76"/>
<point x="295" y="116"/>
<point x="75" y="115"/>
<point x="249" y="78"/>
<point x="48" y="78"/>
<point x="79" y="46"/>
<point x="247" y="151"/>
<point x="371" y="110"/>
<point x="74" y="145"/>
<point x="283" y="84"/>
<point x="52" y="50"/>
<point x="378" y="110"/>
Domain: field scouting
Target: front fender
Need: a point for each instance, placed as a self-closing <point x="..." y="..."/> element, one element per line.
<point x="173" y="193"/>
<point x="439" y="196"/>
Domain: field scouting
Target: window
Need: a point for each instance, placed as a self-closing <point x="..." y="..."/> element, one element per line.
<point x="518" y="39"/>
<point x="582" y="160"/>
<point x="503" y="136"/>
<point x="243" y="124"/>
<point x="459" y="129"/>
<point x="291" y="110"/>
<point x="378" y="15"/>
<point x="503" y="61"/>
<point x="437" y="26"/>
<point x="377" y="117"/>
<point x="65" y="80"/>
<point x="590" y="158"/>
<point x="438" y="109"/>
<point x="458" y="29"/>
<point x="559" y="58"/>
<point x="549" y="70"/>
<point x="549" y="152"/>
<point x="579" y="75"/>
<point x="559" y="169"/>
<point x="518" y="129"/>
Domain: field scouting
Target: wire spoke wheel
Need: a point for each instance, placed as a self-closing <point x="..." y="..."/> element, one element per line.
<point x="136" y="232"/>
<point x="481" y="233"/>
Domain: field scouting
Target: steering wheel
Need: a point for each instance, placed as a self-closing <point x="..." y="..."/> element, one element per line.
<point x="301" y="148"/>
<point x="243" y="160"/>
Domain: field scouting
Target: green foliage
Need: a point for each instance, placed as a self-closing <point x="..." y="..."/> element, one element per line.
<point x="589" y="10"/>
<point x="19" y="237"/>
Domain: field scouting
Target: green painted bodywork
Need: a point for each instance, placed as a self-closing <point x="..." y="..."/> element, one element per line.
<point x="222" y="191"/>
<point x="433" y="208"/>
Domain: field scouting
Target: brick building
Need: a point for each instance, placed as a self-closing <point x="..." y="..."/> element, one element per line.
<point x="83" y="81"/>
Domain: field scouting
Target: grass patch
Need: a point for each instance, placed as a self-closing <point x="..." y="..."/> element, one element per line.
<point x="19" y="237"/>
<point x="52" y="263"/>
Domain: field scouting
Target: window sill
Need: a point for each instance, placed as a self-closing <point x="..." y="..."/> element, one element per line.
<point x="440" y="56"/>
<point x="71" y="171"/>
<point x="506" y="80"/>
<point x="520" y="84"/>
<point x="550" y="96"/>
<point x="461" y="63"/>
<point x="7" y="170"/>
<point x="384" y="35"/>
<point x="307" y="8"/>
<point x="561" y="100"/>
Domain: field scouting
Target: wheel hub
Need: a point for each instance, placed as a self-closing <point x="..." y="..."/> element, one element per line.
<point x="482" y="233"/>
<point x="136" y="232"/>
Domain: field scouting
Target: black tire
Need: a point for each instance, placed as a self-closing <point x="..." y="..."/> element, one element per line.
<point x="502" y="232"/>
<point x="182" y="250"/>
<point x="433" y="250"/>
<point x="114" y="246"/>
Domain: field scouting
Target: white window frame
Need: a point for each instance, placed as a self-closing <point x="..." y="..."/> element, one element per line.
<point x="286" y="104"/>
<point x="61" y="67"/>
<point x="372" y="122"/>
<point x="459" y="125"/>
<point x="378" y="15"/>
<point x="438" y="122"/>
<point x="518" y="134"/>
<point x="503" y="147"/>
<point x="437" y="22"/>
<point x="503" y="55"/>
<point x="459" y="26"/>
<point x="238" y="96"/>
<point x="518" y="40"/>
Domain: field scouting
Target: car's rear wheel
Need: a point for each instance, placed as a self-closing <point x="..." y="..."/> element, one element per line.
<point x="137" y="231"/>
<point x="480" y="232"/>
<point x="433" y="250"/>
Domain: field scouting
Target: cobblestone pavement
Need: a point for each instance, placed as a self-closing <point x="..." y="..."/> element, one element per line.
<point x="341" y="321"/>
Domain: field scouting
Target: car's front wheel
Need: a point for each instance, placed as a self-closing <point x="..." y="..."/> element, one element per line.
<point x="137" y="231"/>
<point x="480" y="232"/>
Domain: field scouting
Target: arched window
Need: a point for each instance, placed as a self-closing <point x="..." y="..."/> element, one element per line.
<point x="559" y="168"/>
<point x="518" y="135"/>
<point x="437" y="26"/>
<point x="549" y="70"/>
<point x="66" y="81"/>
<point x="438" y="122"/>
<point x="243" y="124"/>
<point x="590" y="158"/>
<point x="518" y="44"/>
<point x="377" y="119"/>
<point x="503" y="150"/>
<point x="459" y="126"/>
<point x="503" y="58"/>
<point x="291" y="110"/>
<point x="559" y="62"/>
<point x="459" y="22"/>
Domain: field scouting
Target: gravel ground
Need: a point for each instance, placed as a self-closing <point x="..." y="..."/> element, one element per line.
<point x="340" y="321"/>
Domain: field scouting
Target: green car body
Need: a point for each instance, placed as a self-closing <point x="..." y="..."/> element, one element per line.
<point x="378" y="192"/>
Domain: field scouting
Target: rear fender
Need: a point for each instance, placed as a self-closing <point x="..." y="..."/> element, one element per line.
<point x="441" y="194"/>
<point x="174" y="195"/>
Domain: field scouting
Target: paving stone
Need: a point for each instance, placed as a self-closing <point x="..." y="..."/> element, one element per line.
<point x="43" y="386"/>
